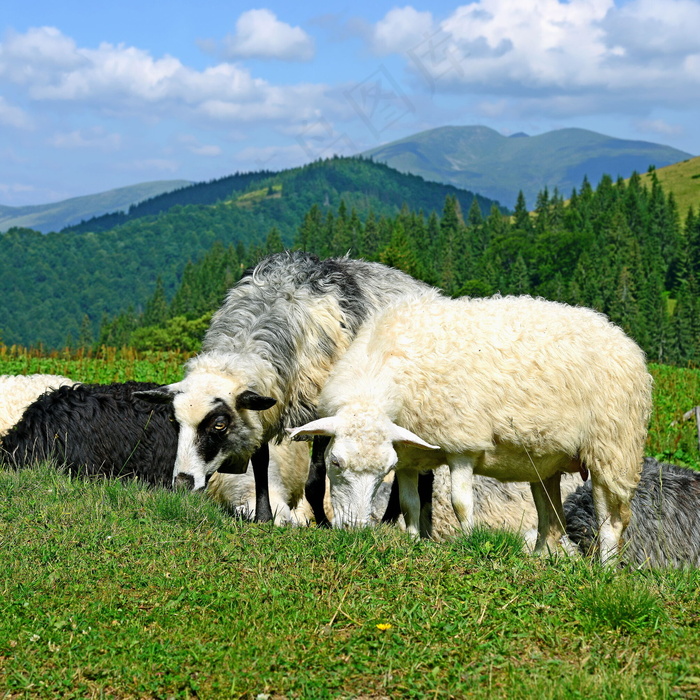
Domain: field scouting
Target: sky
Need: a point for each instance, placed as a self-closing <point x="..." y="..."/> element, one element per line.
<point x="97" y="95"/>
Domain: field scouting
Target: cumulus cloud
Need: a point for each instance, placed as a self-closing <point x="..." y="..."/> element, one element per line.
<point x="259" y="34"/>
<point x="645" y="50"/>
<point x="119" y="79"/>
<point x="401" y="29"/>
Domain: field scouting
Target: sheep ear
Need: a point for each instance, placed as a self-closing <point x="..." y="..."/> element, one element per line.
<point x="163" y="394"/>
<point x="254" y="402"/>
<point x="322" y="426"/>
<point x="406" y="437"/>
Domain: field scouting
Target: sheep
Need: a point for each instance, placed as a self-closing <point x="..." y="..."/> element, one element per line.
<point x="264" y="360"/>
<point x="17" y="391"/>
<point x="102" y="430"/>
<point x="663" y="529"/>
<point x="516" y="388"/>
<point x="96" y="429"/>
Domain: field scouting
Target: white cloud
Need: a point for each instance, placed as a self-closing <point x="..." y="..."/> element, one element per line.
<point x="642" y="52"/>
<point x="13" y="116"/>
<point x="401" y="30"/>
<point x="122" y="80"/>
<point x="259" y="34"/>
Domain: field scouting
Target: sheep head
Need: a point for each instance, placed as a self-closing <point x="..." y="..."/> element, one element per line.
<point x="360" y="454"/>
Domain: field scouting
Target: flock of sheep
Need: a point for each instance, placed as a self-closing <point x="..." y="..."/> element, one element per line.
<point x="487" y="411"/>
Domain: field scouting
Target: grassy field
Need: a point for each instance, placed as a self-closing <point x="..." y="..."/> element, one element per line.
<point x="111" y="590"/>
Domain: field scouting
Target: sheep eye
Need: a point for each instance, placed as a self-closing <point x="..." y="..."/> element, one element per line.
<point x="220" y="424"/>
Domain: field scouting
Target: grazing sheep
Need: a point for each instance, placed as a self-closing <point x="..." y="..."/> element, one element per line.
<point x="265" y="359"/>
<point x="665" y="521"/>
<point x="516" y="388"/>
<point x="17" y="391"/>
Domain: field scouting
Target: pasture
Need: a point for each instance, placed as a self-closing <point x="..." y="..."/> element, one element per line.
<point x="111" y="590"/>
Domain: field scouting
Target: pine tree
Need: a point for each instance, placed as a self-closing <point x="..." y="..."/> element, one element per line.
<point x="156" y="311"/>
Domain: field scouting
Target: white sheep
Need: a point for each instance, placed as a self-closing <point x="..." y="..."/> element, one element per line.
<point x="516" y="388"/>
<point x="288" y="471"/>
<point x="17" y="391"/>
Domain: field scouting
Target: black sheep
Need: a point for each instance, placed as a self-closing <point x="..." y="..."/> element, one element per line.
<point x="97" y="429"/>
<point x="663" y="529"/>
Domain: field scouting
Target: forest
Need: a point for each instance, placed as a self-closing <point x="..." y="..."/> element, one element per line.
<point x="58" y="288"/>
<point x="621" y="248"/>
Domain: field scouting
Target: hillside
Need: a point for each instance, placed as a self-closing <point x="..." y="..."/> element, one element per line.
<point x="49" y="284"/>
<point x="683" y="180"/>
<point x="56" y="216"/>
<point x="482" y="160"/>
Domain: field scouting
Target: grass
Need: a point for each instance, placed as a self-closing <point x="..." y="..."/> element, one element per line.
<point x="683" y="180"/>
<point x="109" y="589"/>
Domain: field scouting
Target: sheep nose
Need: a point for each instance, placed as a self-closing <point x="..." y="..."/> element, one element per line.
<point x="184" y="481"/>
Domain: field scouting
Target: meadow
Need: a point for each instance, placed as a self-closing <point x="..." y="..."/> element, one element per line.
<point x="108" y="589"/>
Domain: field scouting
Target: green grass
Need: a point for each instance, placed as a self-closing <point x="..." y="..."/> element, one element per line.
<point x="111" y="590"/>
<point x="681" y="179"/>
<point x="108" y="589"/>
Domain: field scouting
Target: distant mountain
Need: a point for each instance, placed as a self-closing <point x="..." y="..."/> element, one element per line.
<point x="480" y="159"/>
<point x="50" y="283"/>
<point x="56" y="216"/>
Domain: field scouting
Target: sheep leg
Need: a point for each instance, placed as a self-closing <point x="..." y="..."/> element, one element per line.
<point x="462" y="484"/>
<point x="261" y="461"/>
<point x="410" y="500"/>
<point x="425" y="493"/>
<point x="613" y="516"/>
<point x="551" y="522"/>
<point x="315" y="489"/>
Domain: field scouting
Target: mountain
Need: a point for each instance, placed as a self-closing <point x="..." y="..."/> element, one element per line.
<point x="56" y="216"/>
<point x="482" y="160"/>
<point x="50" y="283"/>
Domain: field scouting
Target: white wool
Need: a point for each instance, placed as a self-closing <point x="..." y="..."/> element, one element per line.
<point x="17" y="391"/>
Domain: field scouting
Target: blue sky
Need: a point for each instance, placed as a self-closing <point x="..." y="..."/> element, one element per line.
<point x="100" y="95"/>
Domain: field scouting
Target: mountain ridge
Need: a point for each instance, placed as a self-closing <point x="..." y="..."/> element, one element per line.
<point x="479" y="159"/>
<point x="55" y="216"/>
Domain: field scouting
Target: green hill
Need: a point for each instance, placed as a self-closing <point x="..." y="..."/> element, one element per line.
<point x="683" y="180"/>
<point x="482" y="160"/>
<point x="56" y="216"/>
<point x="49" y="284"/>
